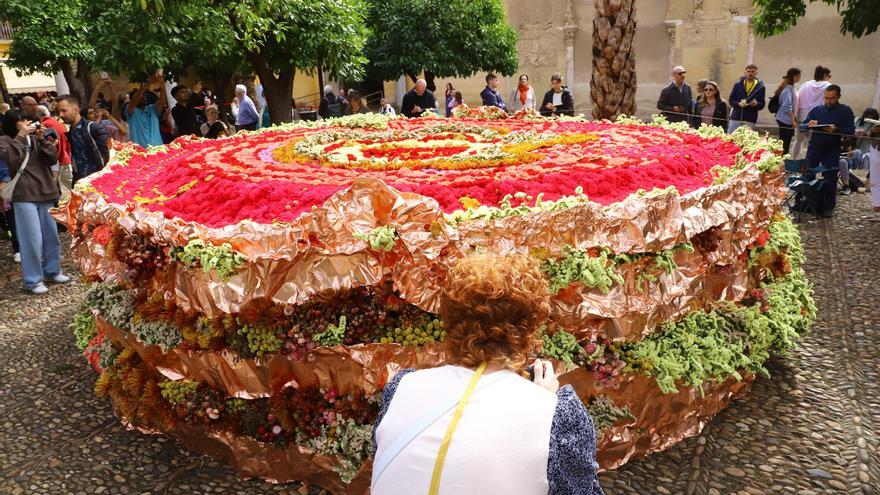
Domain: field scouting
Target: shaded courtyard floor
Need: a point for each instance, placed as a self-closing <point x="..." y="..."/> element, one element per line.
<point x="809" y="429"/>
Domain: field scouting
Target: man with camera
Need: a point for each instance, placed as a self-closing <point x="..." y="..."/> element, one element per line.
<point x="88" y="139"/>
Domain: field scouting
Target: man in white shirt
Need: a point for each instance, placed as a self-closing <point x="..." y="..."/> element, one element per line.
<point x="809" y="95"/>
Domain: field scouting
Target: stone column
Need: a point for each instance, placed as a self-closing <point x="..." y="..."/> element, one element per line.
<point x="399" y="90"/>
<point x="569" y="31"/>
<point x="672" y="27"/>
<point x="876" y="101"/>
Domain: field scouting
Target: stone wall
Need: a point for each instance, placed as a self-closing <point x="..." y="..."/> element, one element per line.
<point x="711" y="38"/>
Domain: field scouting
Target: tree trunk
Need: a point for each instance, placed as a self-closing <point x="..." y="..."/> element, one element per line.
<point x="74" y="84"/>
<point x="4" y="92"/>
<point x="278" y="89"/>
<point x="613" y="83"/>
<point x="429" y="79"/>
<point x="84" y="74"/>
<point x="221" y="85"/>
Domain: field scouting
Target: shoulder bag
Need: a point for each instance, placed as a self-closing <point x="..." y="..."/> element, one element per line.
<point x="9" y="188"/>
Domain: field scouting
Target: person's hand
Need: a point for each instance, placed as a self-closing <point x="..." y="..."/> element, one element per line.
<point x="812" y="123"/>
<point x="832" y="128"/>
<point x="417" y="109"/>
<point x="544" y="375"/>
<point x="753" y="103"/>
<point x="39" y="132"/>
<point x="550" y="107"/>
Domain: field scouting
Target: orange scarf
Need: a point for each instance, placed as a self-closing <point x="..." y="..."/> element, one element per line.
<point x="523" y="93"/>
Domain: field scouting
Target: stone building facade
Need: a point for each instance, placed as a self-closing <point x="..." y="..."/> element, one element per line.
<point x="712" y="38"/>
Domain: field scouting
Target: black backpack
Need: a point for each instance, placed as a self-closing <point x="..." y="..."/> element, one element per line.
<point x="773" y="105"/>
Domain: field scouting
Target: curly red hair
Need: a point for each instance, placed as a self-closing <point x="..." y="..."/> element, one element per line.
<point x="491" y="308"/>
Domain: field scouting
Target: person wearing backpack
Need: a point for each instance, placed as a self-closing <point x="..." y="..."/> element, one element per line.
<point x="88" y="140"/>
<point x="782" y="104"/>
<point x="746" y="99"/>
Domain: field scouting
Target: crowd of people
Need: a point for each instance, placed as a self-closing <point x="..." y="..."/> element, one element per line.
<point x="813" y="124"/>
<point x="557" y="100"/>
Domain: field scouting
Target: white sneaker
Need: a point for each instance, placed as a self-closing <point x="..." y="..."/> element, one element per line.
<point x="16" y="257"/>
<point x="40" y="289"/>
<point x="58" y="279"/>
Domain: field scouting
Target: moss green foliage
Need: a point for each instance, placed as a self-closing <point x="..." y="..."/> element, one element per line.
<point x="716" y="344"/>
<point x="560" y="345"/>
<point x="83" y="328"/>
<point x="578" y="266"/>
<point x="654" y="263"/>
<point x="222" y="259"/>
<point x="605" y="413"/>
<point x="177" y="392"/>
<point x="784" y="238"/>
<point x="380" y="239"/>
<point x="333" y="335"/>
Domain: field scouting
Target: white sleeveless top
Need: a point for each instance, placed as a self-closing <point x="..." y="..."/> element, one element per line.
<point x="501" y="444"/>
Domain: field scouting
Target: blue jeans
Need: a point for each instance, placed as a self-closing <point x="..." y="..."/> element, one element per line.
<point x="735" y="124"/>
<point x="38" y="240"/>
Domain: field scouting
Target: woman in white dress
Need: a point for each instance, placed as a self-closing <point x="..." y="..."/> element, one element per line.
<point x="475" y="425"/>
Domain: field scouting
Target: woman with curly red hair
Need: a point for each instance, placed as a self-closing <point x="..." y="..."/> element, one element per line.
<point x="475" y="425"/>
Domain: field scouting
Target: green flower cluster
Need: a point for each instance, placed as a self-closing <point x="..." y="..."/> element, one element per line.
<point x="350" y="442"/>
<point x="506" y="209"/>
<point x="222" y="259"/>
<point x="261" y="340"/>
<point x="784" y="237"/>
<point x="661" y="261"/>
<point x="83" y="328"/>
<point x="561" y="345"/>
<point x="578" y="266"/>
<point x="333" y="335"/>
<point x="380" y="239"/>
<point x="154" y="332"/>
<point x="414" y="335"/>
<point x="107" y="354"/>
<point x="177" y="392"/>
<point x="717" y="344"/>
<point x="236" y="406"/>
<point x="605" y="413"/>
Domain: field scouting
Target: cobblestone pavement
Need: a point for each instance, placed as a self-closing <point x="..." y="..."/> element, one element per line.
<point x="810" y="429"/>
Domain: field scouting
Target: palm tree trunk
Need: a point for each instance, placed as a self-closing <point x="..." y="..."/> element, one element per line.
<point x="613" y="83"/>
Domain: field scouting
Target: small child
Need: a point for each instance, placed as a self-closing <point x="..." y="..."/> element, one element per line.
<point x="385" y="108"/>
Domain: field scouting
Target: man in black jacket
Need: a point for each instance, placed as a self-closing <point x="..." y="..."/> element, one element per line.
<point x="88" y="140"/>
<point x="558" y="101"/>
<point x="675" y="99"/>
<point x="418" y="100"/>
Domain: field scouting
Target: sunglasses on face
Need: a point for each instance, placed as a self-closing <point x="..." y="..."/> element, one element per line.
<point x="709" y="89"/>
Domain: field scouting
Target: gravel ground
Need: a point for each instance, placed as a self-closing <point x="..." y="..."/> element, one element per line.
<point x="808" y="430"/>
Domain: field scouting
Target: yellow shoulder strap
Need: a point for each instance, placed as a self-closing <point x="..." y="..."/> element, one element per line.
<point x="456" y="416"/>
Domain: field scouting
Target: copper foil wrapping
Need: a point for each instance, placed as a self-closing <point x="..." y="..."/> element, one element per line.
<point x="289" y="263"/>
<point x="662" y="419"/>
<point x="364" y="367"/>
<point x="252" y="459"/>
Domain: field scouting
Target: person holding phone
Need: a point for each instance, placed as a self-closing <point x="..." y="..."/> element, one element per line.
<point x="829" y="123"/>
<point x="143" y="118"/>
<point x="31" y="157"/>
<point x="746" y="98"/>
<point x="492" y="307"/>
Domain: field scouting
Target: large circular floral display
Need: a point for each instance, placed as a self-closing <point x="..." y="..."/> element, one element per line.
<point x="276" y="175"/>
<point x="251" y="296"/>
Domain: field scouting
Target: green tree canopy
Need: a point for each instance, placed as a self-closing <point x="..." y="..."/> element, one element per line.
<point x="50" y="40"/>
<point x="449" y="38"/>
<point x="858" y="17"/>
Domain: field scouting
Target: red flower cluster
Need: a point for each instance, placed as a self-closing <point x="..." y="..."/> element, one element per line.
<point x="221" y="182"/>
